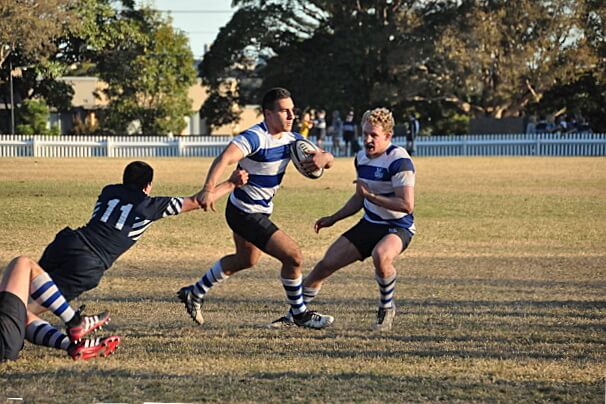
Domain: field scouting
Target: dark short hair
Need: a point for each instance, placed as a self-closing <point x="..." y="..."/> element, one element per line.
<point x="273" y="95"/>
<point x="138" y="174"/>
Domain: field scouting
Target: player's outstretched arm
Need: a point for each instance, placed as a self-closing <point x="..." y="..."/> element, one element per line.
<point x="207" y="196"/>
<point x="352" y="206"/>
<point x="237" y="179"/>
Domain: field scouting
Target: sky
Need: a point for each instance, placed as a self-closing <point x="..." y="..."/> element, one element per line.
<point x="200" y="20"/>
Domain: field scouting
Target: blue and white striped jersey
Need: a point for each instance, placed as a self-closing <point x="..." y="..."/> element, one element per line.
<point x="121" y="215"/>
<point x="382" y="174"/>
<point x="266" y="158"/>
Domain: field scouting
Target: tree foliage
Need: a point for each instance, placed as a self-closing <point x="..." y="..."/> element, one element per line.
<point x="490" y="58"/>
<point x="148" y="74"/>
<point x="148" y="66"/>
<point x="30" y="26"/>
<point x="443" y="59"/>
<point x="28" y="34"/>
<point x="33" y="118"/>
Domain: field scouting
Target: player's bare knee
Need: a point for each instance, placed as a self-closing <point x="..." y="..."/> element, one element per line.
<point x="36" y="269"/>
<point x="293" y="259"/>
<point x="23" y="263"/>
<point x="382" y="262"/>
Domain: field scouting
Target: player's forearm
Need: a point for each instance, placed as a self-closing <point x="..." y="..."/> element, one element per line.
<point x="351" y="207"/>
<point x="391" y="202"/>
<point x="231" y="155"/>
<point x="216" y="170"/>
<point x="190" y="203"/>
<point x="224" y="188"/>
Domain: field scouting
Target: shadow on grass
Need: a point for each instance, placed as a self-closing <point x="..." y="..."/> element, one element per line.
<point x="322" y="385"/>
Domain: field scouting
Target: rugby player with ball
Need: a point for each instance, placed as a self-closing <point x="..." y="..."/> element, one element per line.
<point x="264" y="152"/>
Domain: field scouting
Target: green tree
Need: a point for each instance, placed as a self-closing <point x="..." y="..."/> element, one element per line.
<point x="148" y="73"/>
<point x="28" y="34"/>
<point x="329" y="54"/>
<point x="454" y="58"/>
<point x="246" y="42"/>
<point x="491" y="58"/>
<point x="31" y="26"/>
<point x="33" y="118"/>
<point x="585" y="97"/>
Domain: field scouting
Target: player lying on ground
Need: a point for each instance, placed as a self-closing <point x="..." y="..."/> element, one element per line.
<point x="385" y="189"/>
<point x="77" y="259"/>
<point x="16" y="322"/>
<point x="264" y="152"/>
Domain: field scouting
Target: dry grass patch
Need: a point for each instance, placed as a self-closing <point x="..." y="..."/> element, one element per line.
<point x="500" y="297"/>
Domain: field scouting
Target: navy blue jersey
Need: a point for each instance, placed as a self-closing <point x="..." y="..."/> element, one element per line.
<point x="121" y="216"/>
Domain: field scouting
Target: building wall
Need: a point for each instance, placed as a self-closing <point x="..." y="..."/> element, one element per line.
<point x="85" y="100"/>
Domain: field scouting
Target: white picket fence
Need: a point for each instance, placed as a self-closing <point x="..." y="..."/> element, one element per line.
<point x="580" y="144"/>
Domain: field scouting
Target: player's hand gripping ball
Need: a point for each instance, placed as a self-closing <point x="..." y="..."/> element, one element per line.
<point x="300" y="150"/>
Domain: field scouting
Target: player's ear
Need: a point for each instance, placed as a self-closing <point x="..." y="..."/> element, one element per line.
<point x="148" y="188"/>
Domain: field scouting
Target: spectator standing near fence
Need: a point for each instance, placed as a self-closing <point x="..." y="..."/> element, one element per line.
<point x="336" y="130"/>
<point x="350" y="134"/>
<point x="306" y="125"/>
<point x="414" y="128"/>
<point x="531" y="126"/>
<point x="320" y="127"/>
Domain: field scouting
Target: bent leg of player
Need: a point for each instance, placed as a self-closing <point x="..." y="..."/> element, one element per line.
<point x="383" y="256"/>
<point x="282" y="247"/>
<point x="192" y="296"/>
<point x="45" y="293"/>
<point x="340" y="254"/>
<point x="39" y="332"/>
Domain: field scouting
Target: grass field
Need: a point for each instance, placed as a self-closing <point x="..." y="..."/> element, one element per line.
<point x="501" y="296"/>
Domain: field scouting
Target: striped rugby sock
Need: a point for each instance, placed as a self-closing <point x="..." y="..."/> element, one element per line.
<point x="294" y="294"/>
<point x="45" y="292"/>
<point x="309" y="294"/>
<point x="40" y="332"/>
<point x="386" y="290"/>
<point x="212" y="277"/>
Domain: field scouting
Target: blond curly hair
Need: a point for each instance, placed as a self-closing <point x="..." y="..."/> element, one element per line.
<point x="379" y="117"/>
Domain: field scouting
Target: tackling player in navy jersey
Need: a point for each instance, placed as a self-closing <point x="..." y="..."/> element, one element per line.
<point x="20" y="278"/>
<point x="77" y="259"/>
<point x="263" y="151"/>
<point x="385" y="190"/>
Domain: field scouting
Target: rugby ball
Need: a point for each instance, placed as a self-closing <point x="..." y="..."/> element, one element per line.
<point x="299" y="151"/>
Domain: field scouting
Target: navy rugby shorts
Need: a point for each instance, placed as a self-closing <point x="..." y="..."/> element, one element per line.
<point x="366" y="235"/>
<point x="71" y="264"/>
<point x="256" y="228"/>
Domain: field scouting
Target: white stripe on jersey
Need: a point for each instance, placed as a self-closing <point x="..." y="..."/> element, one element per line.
<point x="140" y="223"/>
<point x="139" y="232"/>
<point x="97" y="207"/>
<point x="266" y="159"/>
<point x="174" y="207"/>
<point x="140" y="226"/>
<point x="375" y="173"/>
